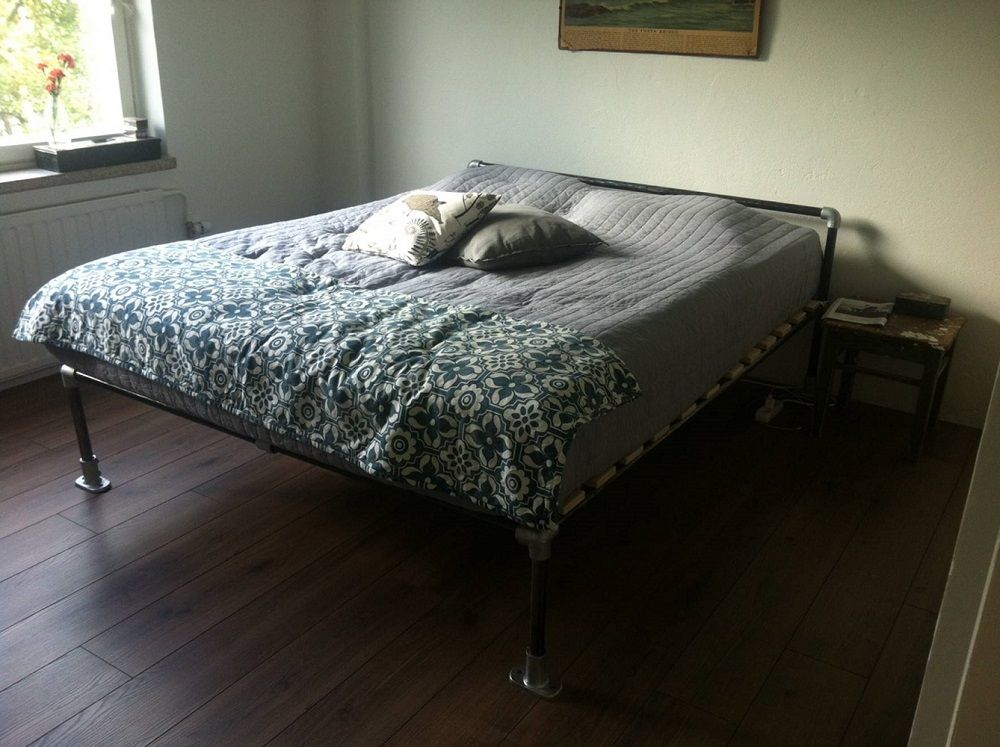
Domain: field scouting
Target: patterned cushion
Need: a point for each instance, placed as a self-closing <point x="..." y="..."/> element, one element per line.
<point x="520" y="236"/>
<point x="421" y="226"/>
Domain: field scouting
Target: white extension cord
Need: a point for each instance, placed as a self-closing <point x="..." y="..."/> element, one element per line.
<point x="769" y="410"/>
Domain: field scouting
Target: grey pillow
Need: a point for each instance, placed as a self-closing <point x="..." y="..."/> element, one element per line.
<point x="521" y="236"/>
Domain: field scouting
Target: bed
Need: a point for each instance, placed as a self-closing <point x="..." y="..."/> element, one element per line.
<point x="534" y="387"/>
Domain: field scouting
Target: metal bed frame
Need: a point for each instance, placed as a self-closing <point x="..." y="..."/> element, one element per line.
<point x="535" y="674"/>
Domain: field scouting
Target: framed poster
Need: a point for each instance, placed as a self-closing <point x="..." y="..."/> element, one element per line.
<point x="727" y="28"/>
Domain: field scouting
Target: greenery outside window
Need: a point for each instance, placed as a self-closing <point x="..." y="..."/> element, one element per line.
<point x="96" y="94"/>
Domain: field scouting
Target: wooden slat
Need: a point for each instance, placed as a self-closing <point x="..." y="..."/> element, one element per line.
<point x="752" y="357"/>
<point x="736" y="372"/>
<point x="687" y="413"/>
<point x="632" y="457"/>
<point x="712" y="392"/>
<point x="573" y="501"/>
<point x="797" y="318"/>
<point x="813" y="305"/>
<point x="782" y="330"/>
<point x="767" y="343"/>
<point x="599" y="481"/>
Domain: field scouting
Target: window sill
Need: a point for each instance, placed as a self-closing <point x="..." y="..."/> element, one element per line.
<point x="23" y="180"/>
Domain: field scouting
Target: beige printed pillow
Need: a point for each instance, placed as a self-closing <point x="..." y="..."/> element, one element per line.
<point x="421" y="226"/>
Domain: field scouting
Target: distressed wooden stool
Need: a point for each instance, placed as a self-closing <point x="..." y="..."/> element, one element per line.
<point x="930" y="342"/>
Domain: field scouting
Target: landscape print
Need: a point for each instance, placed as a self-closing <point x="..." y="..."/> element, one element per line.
<point x="711" y="27"/>
<point x="708" y="15"/>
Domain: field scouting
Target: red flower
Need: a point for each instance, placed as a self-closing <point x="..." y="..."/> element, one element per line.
<point x="67" y="60"/>
<point x="56" y="73"/>
<point x="42" y="66"/>
<point x="51" y="87"/>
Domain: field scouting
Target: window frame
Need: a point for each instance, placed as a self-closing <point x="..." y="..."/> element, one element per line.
<point x="20" y="155"/>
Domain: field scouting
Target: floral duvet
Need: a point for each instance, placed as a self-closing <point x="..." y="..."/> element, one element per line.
<point x="459" y="400"/>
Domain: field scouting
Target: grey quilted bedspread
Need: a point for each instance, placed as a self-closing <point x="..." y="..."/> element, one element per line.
<point x="685" y="285"/>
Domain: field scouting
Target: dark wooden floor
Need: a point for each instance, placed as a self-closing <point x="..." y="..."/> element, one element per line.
<point x="738" y="586"/>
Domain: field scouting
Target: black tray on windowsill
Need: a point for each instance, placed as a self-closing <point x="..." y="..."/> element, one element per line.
<point x="87" y="154"/>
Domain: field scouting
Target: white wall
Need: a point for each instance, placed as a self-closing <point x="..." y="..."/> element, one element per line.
<point x="958" y="700"/>
<point x="242" y="84"/>
<point x="887" y="111"/>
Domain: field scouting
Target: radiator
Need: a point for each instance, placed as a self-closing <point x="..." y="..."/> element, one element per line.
<point x="37" y="245"/>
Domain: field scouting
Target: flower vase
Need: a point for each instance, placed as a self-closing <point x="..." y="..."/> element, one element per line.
<point x="55" y="116"/>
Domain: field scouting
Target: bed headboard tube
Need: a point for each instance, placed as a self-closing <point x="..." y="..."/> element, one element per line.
<point x="828" y="214"/>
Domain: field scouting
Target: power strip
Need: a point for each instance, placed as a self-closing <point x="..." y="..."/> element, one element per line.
<point x="769" y="410"/>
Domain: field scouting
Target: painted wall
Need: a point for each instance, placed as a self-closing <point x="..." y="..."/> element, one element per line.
<point x="958" y="699"/>
<point x="241" y="84"/>
<point x="887" y="111"/>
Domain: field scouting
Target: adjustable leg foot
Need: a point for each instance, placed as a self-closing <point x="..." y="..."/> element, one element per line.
<point x="534" y="675"/>
<point x="91" y="479"/>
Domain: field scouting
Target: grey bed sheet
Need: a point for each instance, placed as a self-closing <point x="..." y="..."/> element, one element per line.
<point x="684" y="287"/>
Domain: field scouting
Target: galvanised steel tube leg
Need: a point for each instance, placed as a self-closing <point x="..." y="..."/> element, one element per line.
<point x="91" y="479"/>
<point x="534" y="675"/>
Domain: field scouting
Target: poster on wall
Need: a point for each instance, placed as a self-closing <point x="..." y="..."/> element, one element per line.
<point x="727" y="28"/>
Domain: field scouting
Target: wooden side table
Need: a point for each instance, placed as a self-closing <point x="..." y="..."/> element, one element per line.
<point x="930" y="342"/>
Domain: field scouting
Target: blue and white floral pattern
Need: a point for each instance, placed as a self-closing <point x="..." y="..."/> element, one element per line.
<point x="468" y="402"/>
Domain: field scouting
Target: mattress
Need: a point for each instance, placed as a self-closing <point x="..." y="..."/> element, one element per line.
<point x="684" y="286"/>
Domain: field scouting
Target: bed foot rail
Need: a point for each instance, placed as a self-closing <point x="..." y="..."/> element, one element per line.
<point x="534" y="675"/>
<point x="91" y="479"/>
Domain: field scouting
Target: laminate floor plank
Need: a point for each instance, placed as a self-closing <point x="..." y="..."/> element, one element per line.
<point x="163" y="695"/>
<point x="614" y="554"/>
<point x="854" y="612"/>
<point x="42" y="700"/>
<point x="162" y="627"/>
<point x="257" y="707"/>
<point x="75" y="619"/>
<point x="25" y="407"/>
<point x="372" y="703"/>
<point x="207" y="457"/>
<point x="64" y="573"/>
<point x="255" y="598"/>
<point x="36" y="543"/>
<point x="103" y="409"/>
<point x="61" y="494"/>
<point x="803" y="702"/>
<point x="54" y="467"/>
<point x="667" y="722"/>
<point x="650" y="629"/>
<point x="728" y="661"/>
<point x="927" y="587"/>
<point x="14" y="451"/>
<point x="885" y="714"/>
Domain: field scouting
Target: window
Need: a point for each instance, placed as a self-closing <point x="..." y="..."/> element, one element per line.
<point x="94" y="95"/>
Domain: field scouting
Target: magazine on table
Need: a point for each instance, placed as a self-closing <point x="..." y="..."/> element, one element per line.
<point x="856" y="311"/>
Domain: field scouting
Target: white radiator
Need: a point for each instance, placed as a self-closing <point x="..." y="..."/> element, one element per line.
<point x="37" y="245"/>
